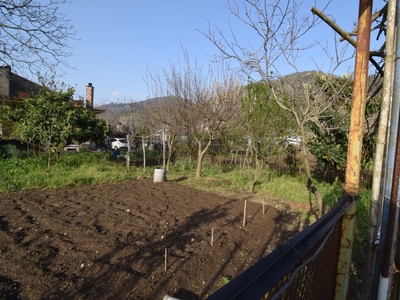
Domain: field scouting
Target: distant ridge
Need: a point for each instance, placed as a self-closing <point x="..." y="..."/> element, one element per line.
<point x="132" y="106"/>
<point x="304" y="76"/>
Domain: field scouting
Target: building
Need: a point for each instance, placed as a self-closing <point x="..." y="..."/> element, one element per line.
<point x="14" y="88"/>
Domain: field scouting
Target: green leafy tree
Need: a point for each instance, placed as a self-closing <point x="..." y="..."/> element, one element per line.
<point x="88" y="127"/>
<point x="331" y="129"/>
<point x="46" y="119"/>
<point x="265" y="124"/>
<point x="51" y="120"/>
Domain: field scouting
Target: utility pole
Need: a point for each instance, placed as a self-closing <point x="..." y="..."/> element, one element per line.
<point x="353" y="168"/>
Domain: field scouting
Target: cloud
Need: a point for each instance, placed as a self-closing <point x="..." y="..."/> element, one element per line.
<point x="116" y="94"/>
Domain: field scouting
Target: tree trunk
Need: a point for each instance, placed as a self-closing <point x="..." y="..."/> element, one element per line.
<point x="199" y="161"/>
<point x="257" y="168"/>
<point x="200" y="155"/>
<point x="171" y="140"/>
<point x="48" y="162"/>
<point x="35" y="150"/>
<point x="310" y="185"/>
<point x="58" y="154"/>
<point x="255" y="179"/>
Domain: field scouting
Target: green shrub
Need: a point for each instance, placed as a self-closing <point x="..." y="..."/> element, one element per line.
<point x="210" y="169"/>
<point x="183" y="165"/>
<point x="362" y="217"/>
<point x="10" y="151"/>
<point x="72" y="160"/>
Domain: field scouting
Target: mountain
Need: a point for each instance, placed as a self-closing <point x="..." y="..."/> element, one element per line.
<point x="130" y="106"/>
<point x="301" y="77"/>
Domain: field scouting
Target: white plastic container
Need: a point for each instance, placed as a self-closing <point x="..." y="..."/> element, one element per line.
<point x="160" y="175"/>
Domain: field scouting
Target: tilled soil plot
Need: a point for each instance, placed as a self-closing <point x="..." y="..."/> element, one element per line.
<point x="114" y="241"/>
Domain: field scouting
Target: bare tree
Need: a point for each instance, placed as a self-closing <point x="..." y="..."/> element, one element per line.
<point x="279" y="30"/>
<point x="168" y="109"/>
<point x="276" y="31"/>
<point x="196" y="103"/>
<point x="34" y="35"/>
<point x="306" y="102"/>
<point x="163" y="114"/>
<point x="113" y="115"/>
<point x="215" y="109"/>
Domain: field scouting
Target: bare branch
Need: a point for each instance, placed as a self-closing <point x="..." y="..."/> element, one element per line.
<point x="347" y="36"/>
<point x="34" y="35"/>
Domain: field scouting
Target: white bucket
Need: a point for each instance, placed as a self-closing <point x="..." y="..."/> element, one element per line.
<point x="167" y="297"/>
<point x="160" y="175"/>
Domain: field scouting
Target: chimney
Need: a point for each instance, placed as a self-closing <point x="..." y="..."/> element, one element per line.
<point x="5" y="75"/>
<point x="89" y="95"/>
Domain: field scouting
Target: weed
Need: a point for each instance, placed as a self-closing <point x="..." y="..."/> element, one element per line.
<point x="224" y="280"/>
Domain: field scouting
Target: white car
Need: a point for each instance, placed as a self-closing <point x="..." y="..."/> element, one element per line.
<point x="73" y="147"/>
<point x="118" y="143"/>
<point x="293" y="141"/>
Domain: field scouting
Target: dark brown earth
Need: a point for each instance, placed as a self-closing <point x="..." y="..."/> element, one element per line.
<point x="109" y="241"/>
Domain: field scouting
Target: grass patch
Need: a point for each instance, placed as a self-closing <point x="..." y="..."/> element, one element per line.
<point x="72" y="169"/>
<point x="76" y="168"/>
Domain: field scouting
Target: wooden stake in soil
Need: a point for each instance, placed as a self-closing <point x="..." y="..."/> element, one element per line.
<point x="244" y="213"/>
<point x="166" y="259"/>
<point x="263" y="206"/>
<point x="212" y="236"/>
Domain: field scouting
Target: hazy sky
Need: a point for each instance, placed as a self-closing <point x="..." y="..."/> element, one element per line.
<point x="120" y="40"/>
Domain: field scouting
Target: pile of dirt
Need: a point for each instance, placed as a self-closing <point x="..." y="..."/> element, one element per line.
<point x="130" y="240"/>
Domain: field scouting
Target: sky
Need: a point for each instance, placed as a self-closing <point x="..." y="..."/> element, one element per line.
<point x="118" y="43"/>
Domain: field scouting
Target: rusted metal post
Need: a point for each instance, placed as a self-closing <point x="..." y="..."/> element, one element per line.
<point x="370" y="285"/>
<point x="392" y="228"/>
<point x="353" y="168"/>
<point x="390" y="211"/>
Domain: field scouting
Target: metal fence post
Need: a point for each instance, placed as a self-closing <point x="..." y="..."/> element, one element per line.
<point x="353" y="168"/>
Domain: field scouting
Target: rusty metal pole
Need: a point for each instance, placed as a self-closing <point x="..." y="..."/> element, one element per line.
<point x="370" y="284"/>
<point x="353" y="167"/>
<point x="391" y="199"/>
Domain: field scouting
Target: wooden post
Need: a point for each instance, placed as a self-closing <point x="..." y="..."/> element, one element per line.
<point x="244" y="212"/>
<point x="163" y="145"/>
<point x="263" y="206"/>
<point x="212" y="236"/>
<point x="128" y="155"/>
<point x="144" y="154"/>
<point x="166" y="259"/>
